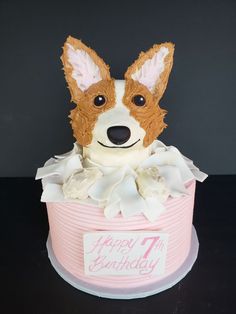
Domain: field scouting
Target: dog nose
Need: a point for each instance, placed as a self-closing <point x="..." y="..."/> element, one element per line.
<point x="118" y="134"/>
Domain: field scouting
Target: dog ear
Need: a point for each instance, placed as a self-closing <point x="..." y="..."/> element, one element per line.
<point x="82" y="67"/>
<point x="152" y="68"/>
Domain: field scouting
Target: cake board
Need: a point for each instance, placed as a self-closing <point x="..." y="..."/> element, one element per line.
<point x="129" y="293"/>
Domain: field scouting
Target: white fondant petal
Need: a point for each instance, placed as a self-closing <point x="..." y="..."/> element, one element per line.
<point x="112" y="206"/>
<point x="52" y="193"/>
<point x="77" y="149"/>
<point x="131" y="202"/>
<point x="199" y="175"/>
<point x="112" y="209"/>
<point x="71" y="165"/>
<point x="171" y="158"/>
<point x="102" y="189"/>
<point x="52" y="169"/>
<point x="105" y="170"/>
<point x="158" y="146"/>
<point x="153" y="209"/>
<point x="54" y="179"/>
<point x="173" y="180"/>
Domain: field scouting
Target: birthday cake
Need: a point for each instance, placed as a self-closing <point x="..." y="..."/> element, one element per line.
<point x="120" y="203"/>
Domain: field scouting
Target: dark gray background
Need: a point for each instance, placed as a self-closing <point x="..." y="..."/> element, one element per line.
<point x="200" y="97"/>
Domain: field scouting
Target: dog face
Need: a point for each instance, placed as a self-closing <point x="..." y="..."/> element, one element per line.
<point x="116" y="115"/>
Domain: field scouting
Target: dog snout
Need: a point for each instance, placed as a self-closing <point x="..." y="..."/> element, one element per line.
<point x="118" y="135"/>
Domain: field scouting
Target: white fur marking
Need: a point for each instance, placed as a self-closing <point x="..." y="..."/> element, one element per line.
<point x="85" y="71"/>
<point x="120" y="91"/>
<point x="118" y="115"/>
<point x="150" y="72"/>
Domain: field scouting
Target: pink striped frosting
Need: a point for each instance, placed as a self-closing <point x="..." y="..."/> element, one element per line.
<point x="69" y="220"/>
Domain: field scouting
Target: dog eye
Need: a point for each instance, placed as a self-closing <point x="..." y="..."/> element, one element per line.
<point x="99" y="100"/>
<point x="139" y="100"/>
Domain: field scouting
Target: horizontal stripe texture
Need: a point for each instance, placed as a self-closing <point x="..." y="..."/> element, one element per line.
<point x="68" y="222"/>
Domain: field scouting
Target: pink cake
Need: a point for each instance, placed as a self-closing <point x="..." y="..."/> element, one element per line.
<point x="69" y="221"/>
<point x="120" y="204"/>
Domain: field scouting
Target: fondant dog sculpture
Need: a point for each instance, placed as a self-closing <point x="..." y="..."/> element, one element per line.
<point x="116" y="121"/>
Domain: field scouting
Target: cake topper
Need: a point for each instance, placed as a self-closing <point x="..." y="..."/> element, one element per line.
<point x="116" y="121"/>
<point x="117" y="161"/>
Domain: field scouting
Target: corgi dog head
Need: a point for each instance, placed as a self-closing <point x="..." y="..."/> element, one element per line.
<point x="116" y="121"/>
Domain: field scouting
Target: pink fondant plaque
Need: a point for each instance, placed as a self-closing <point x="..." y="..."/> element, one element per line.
<point x="125" y="253"/>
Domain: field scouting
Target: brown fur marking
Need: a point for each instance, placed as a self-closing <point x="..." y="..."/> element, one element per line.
<point x="150" y="116"/>
<point x="84" y="116"/>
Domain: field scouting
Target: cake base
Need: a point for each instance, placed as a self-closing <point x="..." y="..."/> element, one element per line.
<point x="131" y="293"/>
